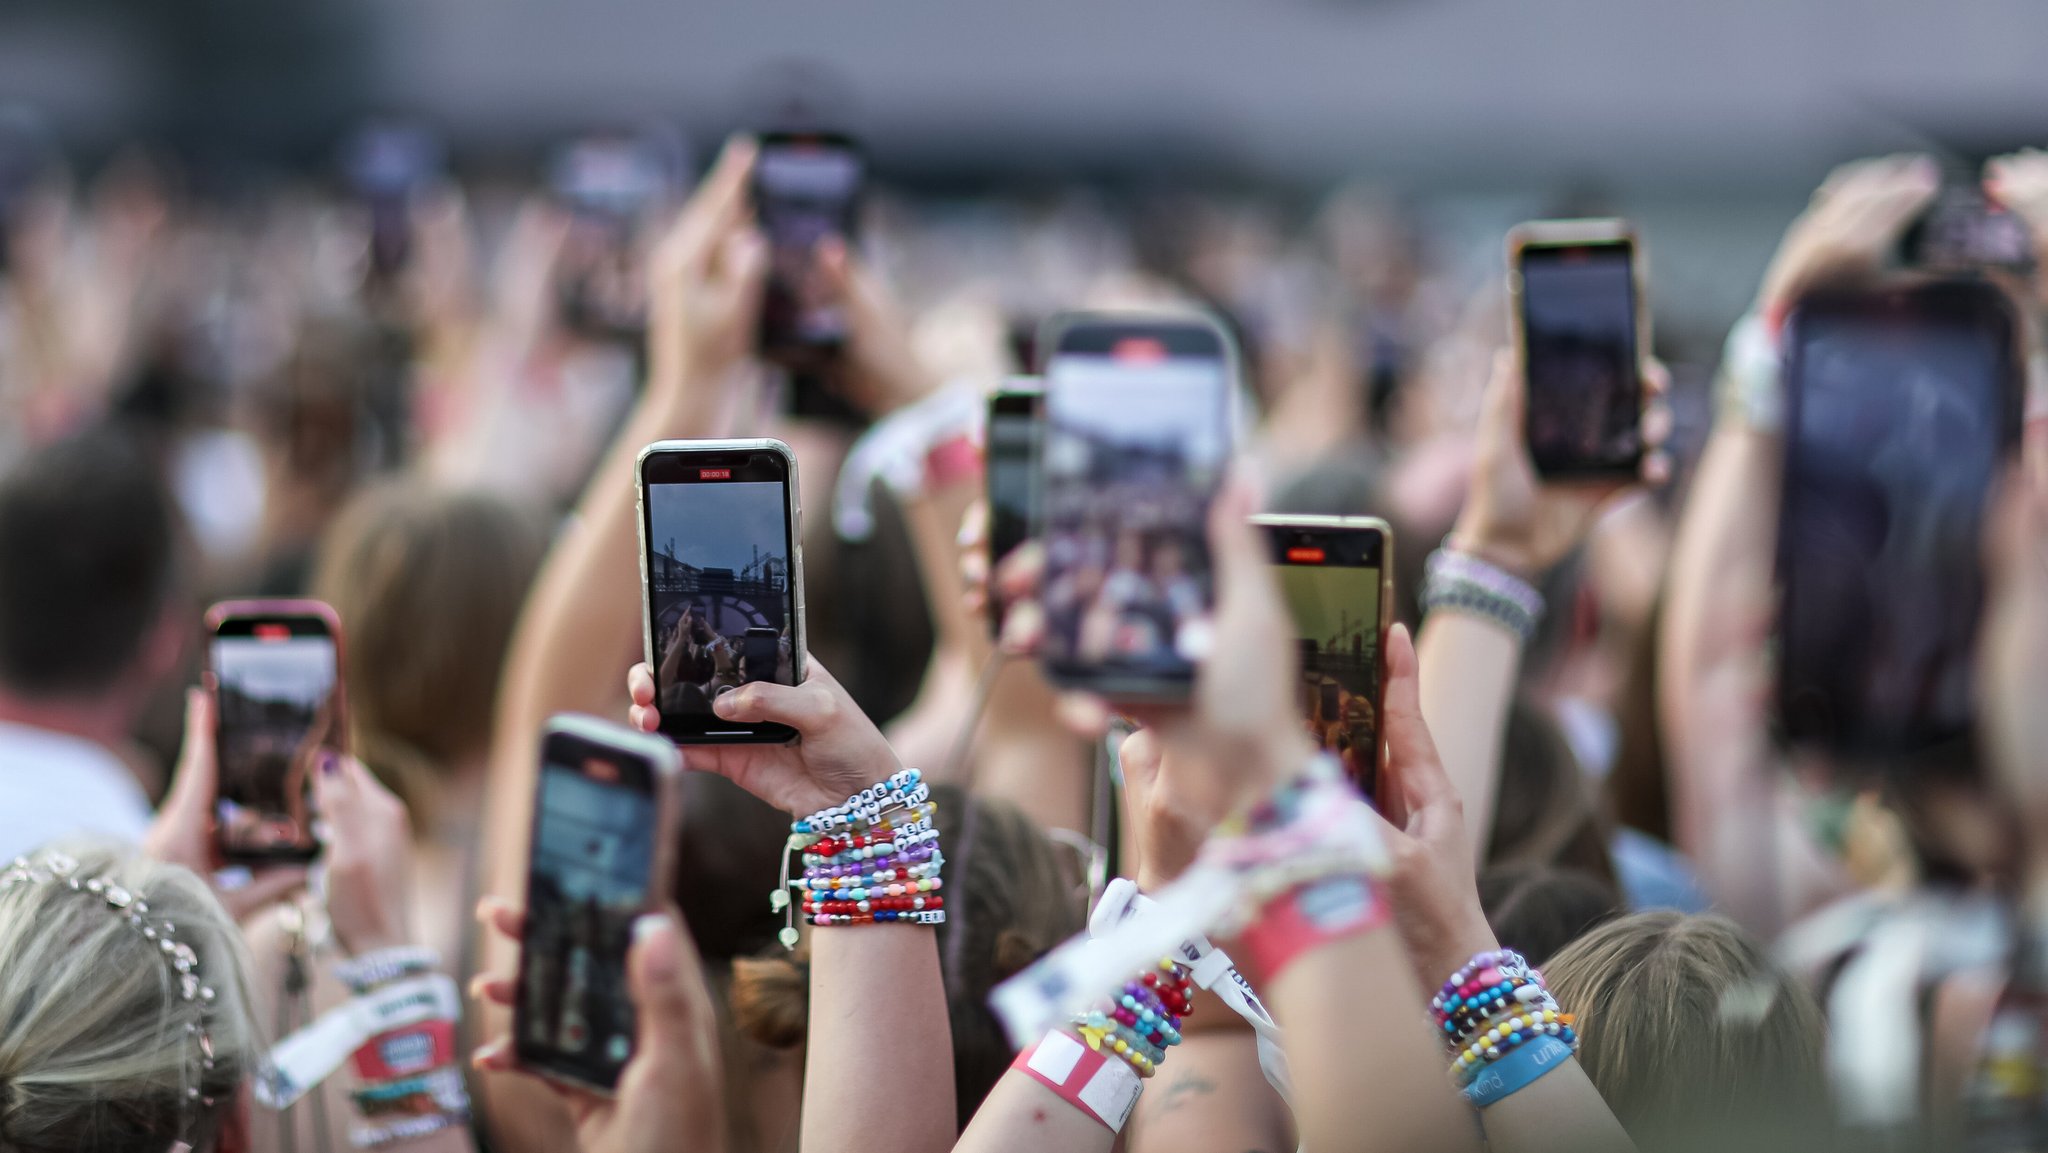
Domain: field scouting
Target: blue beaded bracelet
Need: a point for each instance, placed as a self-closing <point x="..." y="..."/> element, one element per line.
<point x="1516" y="1071"/>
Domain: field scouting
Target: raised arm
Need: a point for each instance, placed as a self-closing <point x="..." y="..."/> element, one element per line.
<point x="1480" y="595"/>
<point x="1711" y="681"/>
<point x="581" y="621"/>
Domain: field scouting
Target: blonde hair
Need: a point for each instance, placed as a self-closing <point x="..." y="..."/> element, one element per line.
<point x="1694" y="1035"/>
<point x="98" y="1047"/>
<point x="428" y="583"/>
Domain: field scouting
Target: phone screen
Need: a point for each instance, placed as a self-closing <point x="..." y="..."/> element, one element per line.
<point x="720" y="582"/>
<point x="277" y="713"/>
<point x="1578" y="313"/>
<point x="1137" y="437"/>
<point x="589" y="876"/>
<point x="1901" y="407"/>
<point x="1012" y="456"/>
<point x="806" y="188"/>
<point x="1333" y="580"/>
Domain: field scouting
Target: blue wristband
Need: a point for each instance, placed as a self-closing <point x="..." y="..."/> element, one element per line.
<point x="1520" y="1068"/>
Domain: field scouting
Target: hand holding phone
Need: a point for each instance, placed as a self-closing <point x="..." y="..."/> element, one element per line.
<point x="274" y="668"/>
<point x="1014" y="423"/>
<point x="722" y="577"/>
<point x="806" y="191"/>
<point x="604" y="827"/>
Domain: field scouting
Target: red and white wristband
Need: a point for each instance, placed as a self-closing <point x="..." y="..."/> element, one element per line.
<point x="1307" y="917"/>
<point x="1097" y="1083"/>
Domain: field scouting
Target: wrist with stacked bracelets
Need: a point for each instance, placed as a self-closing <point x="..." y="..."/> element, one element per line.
<point x="1502" y="1026"/>
<point x="1143" y="1020"/>
<point x="407" y="1081"/>
<point x="874" y="859"/>
<point x="1462" y="582"/>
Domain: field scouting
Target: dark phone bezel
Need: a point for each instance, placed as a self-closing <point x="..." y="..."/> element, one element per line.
<point x="579" y="747"/>
<point x="301" y="618"/>
<point x="1094" y="334"/>
<point x="1967" y="299"/>
<point x="1580" y="468"/>
<point x="1003" y="406"/>
<point x="668" y="466"/>
<point x="1374" y="539"/>
<point x="780" y="346"/>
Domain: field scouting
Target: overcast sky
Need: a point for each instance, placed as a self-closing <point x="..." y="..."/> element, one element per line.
<point x="717" y="525"/>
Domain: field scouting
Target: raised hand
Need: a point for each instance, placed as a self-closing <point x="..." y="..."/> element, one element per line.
<point x="1855" y="219"/>
<point x="705" y="278"/>
<point x="368" y="859"/>
<point x="673" y="1083"/>
<point x="838" y="750"/>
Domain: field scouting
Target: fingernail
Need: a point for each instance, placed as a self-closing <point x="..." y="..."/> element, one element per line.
<point x="654" y="934"/>
<point x="722" y="705"/>
<point x="330" y="763"/>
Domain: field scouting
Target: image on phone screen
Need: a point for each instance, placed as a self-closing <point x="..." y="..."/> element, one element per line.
<point x="1136" y="440"/>
<point x="278" y="712"/>
<point x="1332" y="581"/>
<point x="1578" y="314"/>
<point x="1901" y="409"/>
<point x="719" y="580"/>
<point x="592" y="862"/>
<point x="805" y="192"/>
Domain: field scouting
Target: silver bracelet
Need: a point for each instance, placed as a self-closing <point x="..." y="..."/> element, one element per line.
<point x="1464" y="583"/>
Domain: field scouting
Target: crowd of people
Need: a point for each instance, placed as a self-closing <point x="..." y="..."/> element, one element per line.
<point x="1594" y="905"/>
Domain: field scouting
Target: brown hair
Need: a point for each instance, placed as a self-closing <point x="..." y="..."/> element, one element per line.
<point x="1696" y="1038"/>
<point x="1008" y="902"/>
<point x="1545" y="814"/>
<point x="1537" y="909"/>
<point x="428" y="583"/>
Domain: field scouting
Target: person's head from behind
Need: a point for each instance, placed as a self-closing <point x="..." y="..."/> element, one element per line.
<point x="428" y="584"/>
<point x="1538" y="909"/>
<point x="1546" y="813"/>
<point x="1009" y="900"/>
<point x="1695" y="1037"/>
<point x="88" y="563"/>
<point x="100" y="1048"/>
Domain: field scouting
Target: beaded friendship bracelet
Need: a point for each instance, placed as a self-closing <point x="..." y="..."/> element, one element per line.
<point x="1143" y="1021"/>
<point x="873" y="860"/>
<point x="1493" y="1007"/>
<point x="1465" y="583"/>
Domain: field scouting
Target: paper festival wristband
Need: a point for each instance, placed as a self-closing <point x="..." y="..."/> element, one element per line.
<point x="1517" y="1071"/>
<point x="406" y="1051"/>
<point x="1097" y="1083"/>
<point x="1306" y="918"/>
<point x="307" y="1057"/>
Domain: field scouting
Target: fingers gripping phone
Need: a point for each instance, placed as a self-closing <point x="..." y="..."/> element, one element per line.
<point x="1336" y="574"/>
<point x="604" y="818"/>
<point x="1013" y="436"/>
<point x="722" y="574"/>
<point x="1581" y="332"/>
<point x="1136" y="440"/>
<point x="1902" y="405"/>
<point x="274" y="668"/>
<point x="807" y="188"/>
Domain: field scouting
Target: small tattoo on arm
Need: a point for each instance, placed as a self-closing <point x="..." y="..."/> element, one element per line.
<point x="1191" y="1085"/>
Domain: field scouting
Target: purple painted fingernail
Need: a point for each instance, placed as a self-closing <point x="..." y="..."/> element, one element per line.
<point x="330" y="762"/>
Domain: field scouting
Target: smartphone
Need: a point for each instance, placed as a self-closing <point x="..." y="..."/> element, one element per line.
<point x="721" y="556"/>
<point x="1337" y="575"/>
<point x="1965" y="230"/>
<point x="274" y="668"/>
<point x="386" y="164"/>
<point x="807" y="188"/>
<point x="1902" y="406"/>
<point x="609" y="184"/>
<point x="605" y="814"/>
<point x="1013" y="421"/>
<point x="1581" y="331"/>
<point x="1136" y="440"/>
<point x="762" y="654"/>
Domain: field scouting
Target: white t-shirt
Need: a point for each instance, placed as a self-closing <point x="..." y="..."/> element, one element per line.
<point x="57" y="787"/>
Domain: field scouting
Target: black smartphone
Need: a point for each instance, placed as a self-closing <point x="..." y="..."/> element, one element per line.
<point x="1137" y="438"/>
<point x="1013" y="421"/>
<point x="1966" y="230"/>
<point x="1581" y="332"/>
<point x="807" y="188"/>
<point x="1336" y="574"/>
<point x="1902" y="406"/>
<point x="275" y="671"/>
<point x="604" y="820"/>
<point x="763" y="653"/>
<point x="386" y="165"/>
<point x="721" y="556"/>
<point x="609" y="184"/>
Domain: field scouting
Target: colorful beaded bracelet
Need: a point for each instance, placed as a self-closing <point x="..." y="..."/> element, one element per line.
<point x="864" y="805"/>
<point x="830" y="883"/>
<point x="919" y="917"/>
<point x="1465" y="583"/>
<point x="876" y="904"/>
<point x="1499" y="1041"/>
